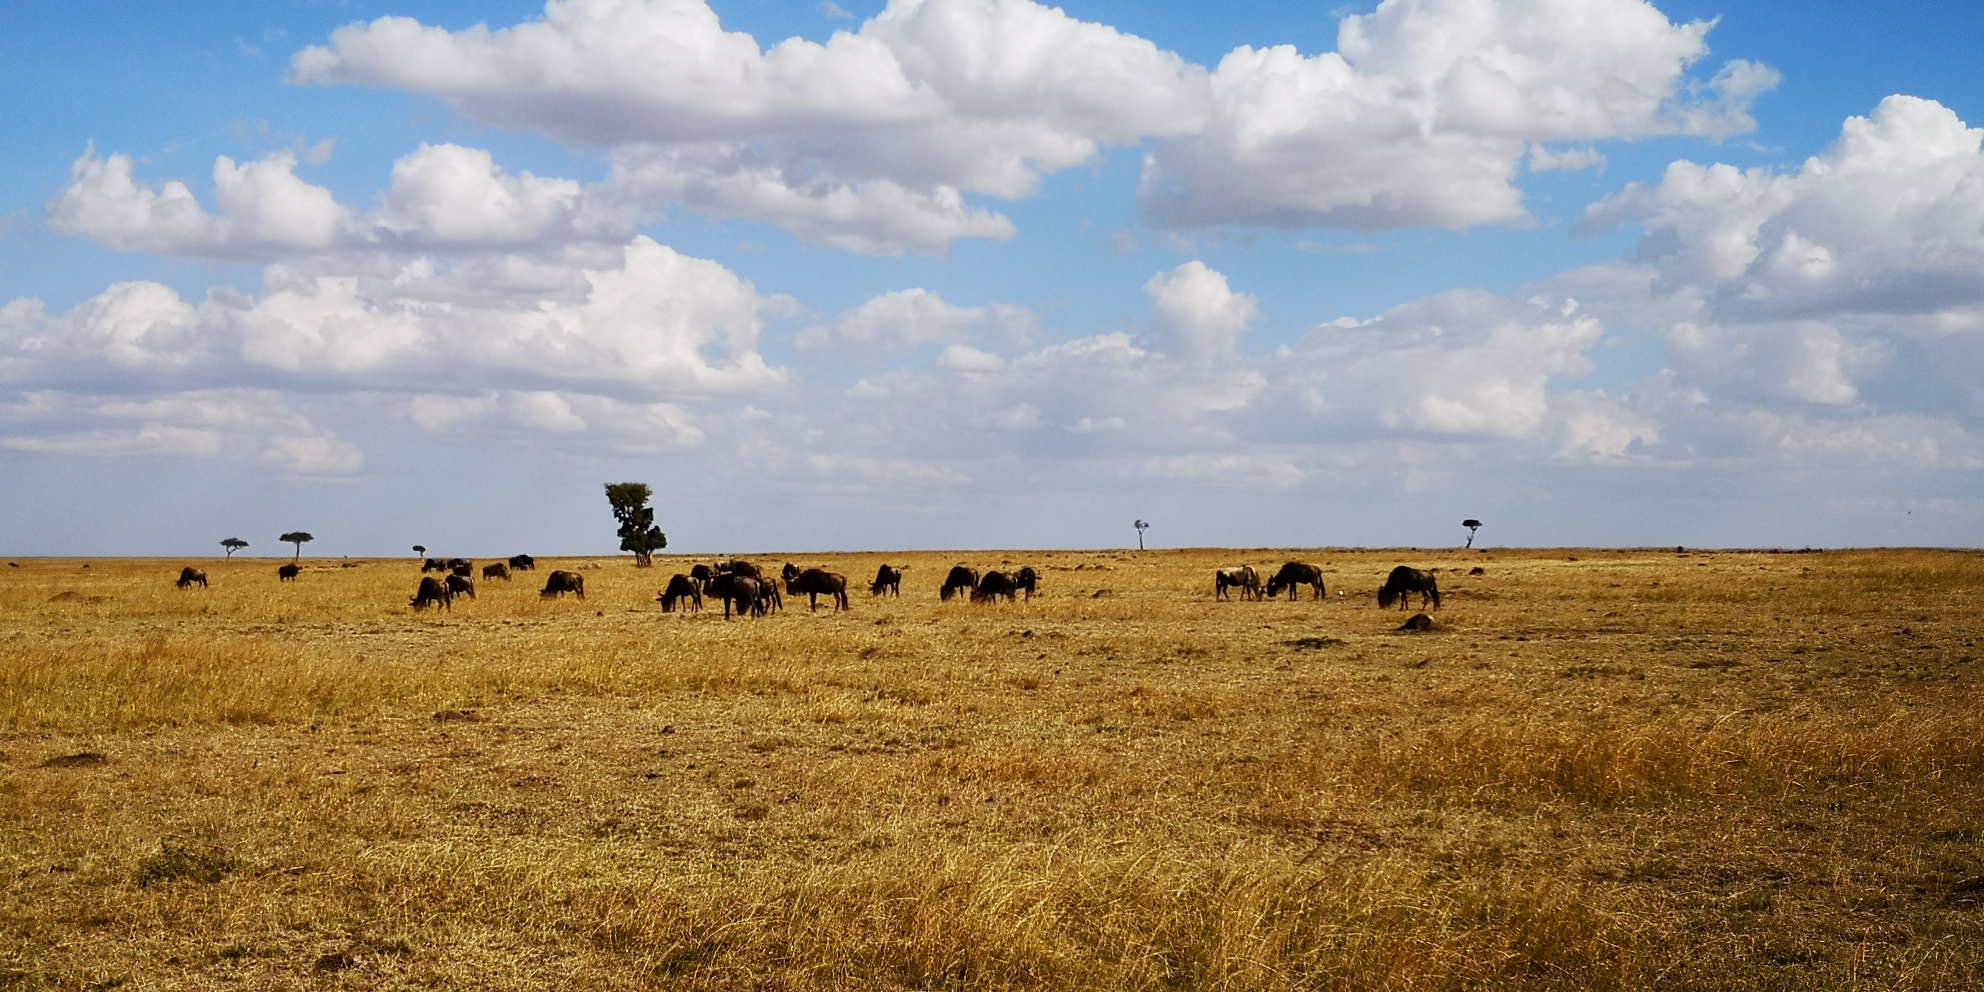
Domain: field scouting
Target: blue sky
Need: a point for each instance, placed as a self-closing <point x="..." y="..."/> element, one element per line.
<point x="990" y="274"/>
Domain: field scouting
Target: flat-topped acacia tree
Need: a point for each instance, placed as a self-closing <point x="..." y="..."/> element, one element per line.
<point x="1472" y="525"/>
<point x="232" y="545"/>
<point x="298" y="538"/>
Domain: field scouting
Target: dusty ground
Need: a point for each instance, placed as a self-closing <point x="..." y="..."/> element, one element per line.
<point x="1600" y="770"/>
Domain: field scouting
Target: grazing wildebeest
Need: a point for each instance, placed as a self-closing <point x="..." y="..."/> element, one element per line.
<point x="744" y="591"/>
<point x="815" y="581"/>
<point x="287" y="572"/>
<point x="432" y="591"/>
<point x="1243" y="578"/>
<point x="1293" y="576"/>
<point x="993" y="586"/>
<point x="496" y="570"/>
<point x="1405" y="581"/>
<point x="681" y="587"/>
<point x="523" y="563"/>
<point x="1026" y="578"/>
<point x="188" y="576"/>
<point x="960" y="579"/>
<point x="461" y="585"/>
<point x="433" y="565"/>
<point x="887" y="579"/>
<point x="560" y="582"/>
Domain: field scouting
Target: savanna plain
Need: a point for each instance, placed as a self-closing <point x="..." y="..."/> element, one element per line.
<point x="1601" y="769"/>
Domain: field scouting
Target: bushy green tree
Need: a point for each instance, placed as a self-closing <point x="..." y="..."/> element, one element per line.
<point x="638" y="532"/>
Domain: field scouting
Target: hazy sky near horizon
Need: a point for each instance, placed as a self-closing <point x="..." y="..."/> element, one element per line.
<point x="990" y="273"/>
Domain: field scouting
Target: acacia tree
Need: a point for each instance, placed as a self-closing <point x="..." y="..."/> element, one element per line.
<point x="419" y="549"/>
<point x="298" y="538"/>
<point x="1472" y="525"/>
<point x="638" y="532"/>
<point x="232" y="545"/>
<point x="1141" y="526"/>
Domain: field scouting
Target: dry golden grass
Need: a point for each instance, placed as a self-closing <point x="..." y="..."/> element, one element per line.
<point x="1602" y="770"/>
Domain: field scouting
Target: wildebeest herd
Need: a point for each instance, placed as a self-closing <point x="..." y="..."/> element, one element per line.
<point x="747" y="591"/>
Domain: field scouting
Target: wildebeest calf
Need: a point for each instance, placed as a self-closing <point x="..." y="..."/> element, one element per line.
<point x="681" y="587"/>
<point x="560" y="582"/>
<point x="1293" y="576"/>
<point x="188" y="576"/>
<point x="432" y="591"/>
<point x="461" y="585"/>
<point x="887" y="579"/>
<point x="1243" y="578"/>
<point x="496" y="570"/>
<point x="287" y="572"/>
<point x="1403" y="582"/>
<point x="960" y="579"/>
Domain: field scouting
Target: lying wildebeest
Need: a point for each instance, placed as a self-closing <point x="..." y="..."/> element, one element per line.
<point x="815" y="581"/>
<point x="461" y="585"/>
<point x="744" y="591"/>
<point x="523" y="563"/>
<point x="1405" y="581"/>
<point x="560" y="582"/>
<point x="1026" y="578"/>
<point x="993" y="586"/>
<point x="681" y="587"/>
<point x="287" y="572"/>
<point x="961" y="579"/>
<point x="432" y="591"/>
<point x="496" y="570"/>
<point x="1293" y="576"/>
<point x="433" y="565"/>
<point x="188" y="576"/>
<point x="1243" y="578"/>
<point x="887" y="579"/>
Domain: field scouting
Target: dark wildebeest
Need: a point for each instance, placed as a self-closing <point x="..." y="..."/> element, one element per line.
<point x="740" y="567"/>
<point x="461" y="585"/>
<point x="817" y="581"/>
<point x="433" y="565"/>
<point x="1026" y="578"/>
<point x="523" y="563"/>
<point x="701" y="575"/>
<point x="496" y="570"/>
<point x="560" y="582"/>
<point x="461" y="566"/>
<point x="432" y="591"/>
<point x="887" y="579"/>
<point x="188" y="576"/>
<point x="1243" y="578"/>
<point x="681" y="587"/>
<point x="960" y="579"/>
<point x="287" y="572"/>
<point x="744" y="591"/>
<point x="1293" y="576"/>
<point x="1403" y="582"/>
<point x="993" y="586"/>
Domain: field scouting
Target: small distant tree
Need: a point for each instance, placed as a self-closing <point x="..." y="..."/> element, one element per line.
<point x="298" y="538"/>
<point x="1141" y="526"/>
<point x="1472" y="525"/>
<point x="638" y="532"/>
<point x="419" y="549"/>
<point x="232" y="545"/>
